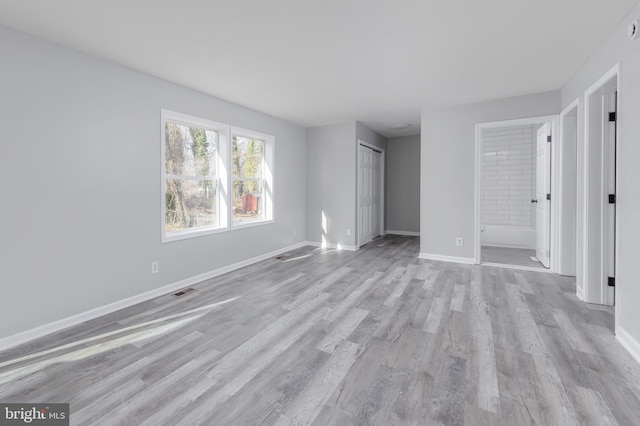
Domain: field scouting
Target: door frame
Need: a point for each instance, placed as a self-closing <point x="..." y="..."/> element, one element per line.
<point x="555" y="167"/>
<point x="592" y="230"/>
<point x="382" y="187"/>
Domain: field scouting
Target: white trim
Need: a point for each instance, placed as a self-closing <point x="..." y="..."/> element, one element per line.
<point x="584" y="178"/>
<point x="619" y="152"/>
<point x="477" y="249"/>
<point x="452" y="259"/>
<point x="331" y="246"/>
<point x="405" y="233"/>
<point x="46" y="329"/>
<point x="602" y="81"/>
<point x="553" y="120"/>
<point x="628" y="342"/>
<point x="383" y="185"/>
<point x="518" y="267"/>
<point x="556" y="172"/>
<point x="251" y="223"/>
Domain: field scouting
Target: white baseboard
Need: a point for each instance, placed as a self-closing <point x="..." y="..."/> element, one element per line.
<point x="331" y="246"/>
<point x="43" y="330"/>
<point x="405" y="233"/>
<point x="629" y="343"/>
<point x="465" y="260"/>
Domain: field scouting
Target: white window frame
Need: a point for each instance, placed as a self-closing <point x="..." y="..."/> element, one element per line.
<point x="224" y="175"/>
<point x="267" y="177"/>
<point x="221" y="178"/>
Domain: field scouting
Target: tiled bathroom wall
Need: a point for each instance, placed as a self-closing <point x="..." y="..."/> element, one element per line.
<point x="508" y="175"/>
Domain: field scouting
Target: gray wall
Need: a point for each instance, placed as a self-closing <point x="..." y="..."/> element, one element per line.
<point x="331" y="155"/>
<point x="366" y="134"/>
<point x="332" y="168"/>
<point x="619" y="49"/>
<point x="447" y="158"/>
<point x="80" y="166"/>
<point x="403" y="184"/>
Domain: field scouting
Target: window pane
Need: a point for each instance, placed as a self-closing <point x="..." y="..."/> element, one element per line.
<point x="247" y="157"/>
<point x="248" y="200"/>
<point x="190" y="204"/>
<point x="189" y="151"/>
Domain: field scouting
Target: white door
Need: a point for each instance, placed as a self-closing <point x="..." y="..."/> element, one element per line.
<point x="543" y="191"/>
<point x="369" y="194"/>
<point x="365" y="198"/>
<point x="376" y="186"/>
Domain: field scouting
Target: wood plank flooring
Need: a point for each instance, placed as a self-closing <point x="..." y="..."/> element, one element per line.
<point x="374" y="337"/>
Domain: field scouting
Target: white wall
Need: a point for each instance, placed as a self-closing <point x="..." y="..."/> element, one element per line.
<point x="80" y="165"/>
<point x="403" y="184"/>
<point x="619" y="49"/>
<point x="447" y="159"/>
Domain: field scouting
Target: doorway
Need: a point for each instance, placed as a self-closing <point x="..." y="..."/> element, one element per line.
<point x="370" y="192"/>
<point x="599" y="151"/>
<point x="513" y="193"/>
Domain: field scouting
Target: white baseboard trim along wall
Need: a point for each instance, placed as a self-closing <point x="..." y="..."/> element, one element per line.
<point x="629" y="343"/>
<point x="452" y="259"/>
<point x="41" y="331"/>
<point x="405" y="233"/>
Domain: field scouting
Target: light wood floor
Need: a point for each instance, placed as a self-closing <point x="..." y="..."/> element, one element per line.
<point x="322" y="337"/>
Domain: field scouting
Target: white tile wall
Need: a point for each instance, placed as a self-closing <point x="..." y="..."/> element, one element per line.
<point x="508" y="176"/>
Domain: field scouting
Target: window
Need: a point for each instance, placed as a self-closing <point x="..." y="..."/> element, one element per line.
<point x="251" y="155"/>
<point x="199" y="165"/>
<point x="192" y="176"/>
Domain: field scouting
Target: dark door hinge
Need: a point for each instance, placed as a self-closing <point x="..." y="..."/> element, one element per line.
<point x="612" y="116"/>
<point x="612" y="198"/>
<point x="548" y="196"/>
<point x="549" y="138"/>
<point x="612" y="281"/>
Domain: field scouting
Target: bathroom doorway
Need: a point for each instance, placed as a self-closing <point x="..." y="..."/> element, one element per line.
<point x="513" y="191"/>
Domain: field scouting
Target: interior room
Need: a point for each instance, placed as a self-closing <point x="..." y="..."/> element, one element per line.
<point x="320" y="212"/>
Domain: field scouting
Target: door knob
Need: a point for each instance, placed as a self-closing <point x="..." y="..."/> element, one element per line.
<point x="534" y="201"/>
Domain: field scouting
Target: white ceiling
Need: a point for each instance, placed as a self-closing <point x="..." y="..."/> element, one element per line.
<point x="318" y="62"/>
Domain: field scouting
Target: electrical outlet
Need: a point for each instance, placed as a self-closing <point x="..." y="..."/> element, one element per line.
<point x="295" y="232"/>
<point x="459" y="241"/>
<point x="155" y="267"/>
<point x="348" y="232"/>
